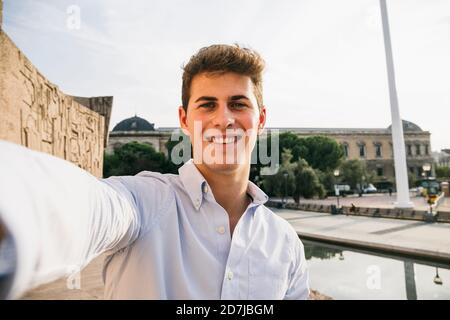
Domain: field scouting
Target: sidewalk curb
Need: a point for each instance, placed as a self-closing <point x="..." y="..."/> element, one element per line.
<point x="441" y="257"/>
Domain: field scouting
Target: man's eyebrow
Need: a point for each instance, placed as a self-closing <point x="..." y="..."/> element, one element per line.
<point x="238" y="97"/>
<point x="206" y="98"/>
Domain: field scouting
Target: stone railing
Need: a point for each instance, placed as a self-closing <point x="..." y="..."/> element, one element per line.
<point x="393" y="213"/>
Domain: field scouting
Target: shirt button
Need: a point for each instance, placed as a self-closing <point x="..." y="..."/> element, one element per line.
<point x="230" y="275"/>
<point x="221" y="230"/>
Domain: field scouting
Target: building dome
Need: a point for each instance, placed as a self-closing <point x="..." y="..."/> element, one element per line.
<point x="408" y="126"/>
<point x="134" y="124"/>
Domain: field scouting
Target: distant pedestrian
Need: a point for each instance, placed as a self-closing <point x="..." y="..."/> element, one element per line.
<point x="390" y="191"/>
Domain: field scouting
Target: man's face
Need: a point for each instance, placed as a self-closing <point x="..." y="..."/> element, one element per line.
<point x="222" y="120"/>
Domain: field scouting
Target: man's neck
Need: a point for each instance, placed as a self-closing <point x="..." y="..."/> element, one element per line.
<point x="229" y="190"/>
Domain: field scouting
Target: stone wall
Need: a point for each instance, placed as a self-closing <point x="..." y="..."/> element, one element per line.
<point x="101" y="105"/>
<point x="394" y="213"/>
<point x="1" y="13"/>
<point x="36" y="114"/>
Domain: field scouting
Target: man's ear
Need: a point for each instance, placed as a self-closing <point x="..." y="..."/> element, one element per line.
<point x="261" y="120"/>
<point x="182" y="116"/>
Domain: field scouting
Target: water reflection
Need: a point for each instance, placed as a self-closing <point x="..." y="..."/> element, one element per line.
<point x="344" y="273"/>
<point x="320" y="252"/>
<point x="437" y="279"/>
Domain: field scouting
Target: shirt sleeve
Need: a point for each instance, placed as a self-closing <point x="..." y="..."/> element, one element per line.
<point x="59" y="216"/>
<point x="299" y="280"/>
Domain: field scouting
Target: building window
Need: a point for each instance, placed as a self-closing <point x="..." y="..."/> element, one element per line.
<point x="345" y="146"/>
<point x="409" y="149"/>
<point x="418" y="149"/>
<point x="426" y="150"/>
<point x="380" y="172"/>
<point x="411" y="170"/>
<point x="378" y="150"/>
<point x="362" y="150"/>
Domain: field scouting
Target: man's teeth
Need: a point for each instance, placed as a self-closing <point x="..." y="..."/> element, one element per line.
<point x="223" y="140"/>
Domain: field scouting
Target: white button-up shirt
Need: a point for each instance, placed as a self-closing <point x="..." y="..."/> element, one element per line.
<point x="165" y="235"/>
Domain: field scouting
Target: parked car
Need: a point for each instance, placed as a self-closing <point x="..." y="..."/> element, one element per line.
<point x="370" y="188"/>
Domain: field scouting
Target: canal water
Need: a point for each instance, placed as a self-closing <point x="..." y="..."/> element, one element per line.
<point x="345" y="273"/>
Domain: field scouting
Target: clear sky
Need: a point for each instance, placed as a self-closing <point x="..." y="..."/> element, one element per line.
<point x="325" y="58"/>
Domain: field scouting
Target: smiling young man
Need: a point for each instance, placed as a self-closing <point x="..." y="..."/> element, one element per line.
<point x="202" y="234"/>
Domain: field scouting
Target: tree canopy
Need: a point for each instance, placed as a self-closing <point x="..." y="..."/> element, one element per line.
<point x="134" y="157"/>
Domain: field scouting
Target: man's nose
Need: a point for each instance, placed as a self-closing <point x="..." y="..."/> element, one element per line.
<point x="223" y="117"/>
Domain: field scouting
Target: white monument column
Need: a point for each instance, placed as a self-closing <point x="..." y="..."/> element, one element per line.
<point x="401" y="173"/>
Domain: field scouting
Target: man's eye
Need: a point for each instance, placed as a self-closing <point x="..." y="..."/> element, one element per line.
<point x="237" y="105"/>
<point x="207" y="105"/>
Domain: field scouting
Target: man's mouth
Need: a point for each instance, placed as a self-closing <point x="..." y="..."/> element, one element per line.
<point x="223" y="139"/>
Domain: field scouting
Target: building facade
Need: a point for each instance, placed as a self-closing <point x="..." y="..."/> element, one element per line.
<point x="373" y="146"/>
<point x="442" y="158"/>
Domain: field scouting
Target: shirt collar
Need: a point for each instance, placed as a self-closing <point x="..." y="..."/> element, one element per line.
<point x="258" y="196"/>
<point x="196" y="185"/>
<point x="193" y="182"/>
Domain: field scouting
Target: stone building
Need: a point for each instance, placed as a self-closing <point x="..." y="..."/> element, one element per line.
<point x="140" y="130"/>
<point x="36" y="114"/>
<point x="374" y="146"/>
<point x="442" y="158"/>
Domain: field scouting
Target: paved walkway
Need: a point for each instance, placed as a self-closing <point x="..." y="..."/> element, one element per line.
<point x="445" y="205"/>
<point x="417" y="238"/>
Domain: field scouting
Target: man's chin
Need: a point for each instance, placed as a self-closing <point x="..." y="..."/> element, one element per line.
<point x="223" y="167"/>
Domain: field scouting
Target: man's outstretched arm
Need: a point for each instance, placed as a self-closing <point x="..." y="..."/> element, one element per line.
<point x="57" y="216"/>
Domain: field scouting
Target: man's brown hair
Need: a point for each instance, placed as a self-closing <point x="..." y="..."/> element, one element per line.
<point x="222" y="58"/>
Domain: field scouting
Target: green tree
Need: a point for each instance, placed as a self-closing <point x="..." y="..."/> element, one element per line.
<point x="411" y="180"/>
<point x="278" y="184"/>
<point x="327" y="179"/>
<point x="352" y="172"/>
<point x="442" y="172"/>
<point x="307" y="183"/>
<point x="291" y="141"/>
<point x="256" y="166"/>
<point x="322" y="153"/>
<point x="133" y="158"/>
<point x="178" y="147"/>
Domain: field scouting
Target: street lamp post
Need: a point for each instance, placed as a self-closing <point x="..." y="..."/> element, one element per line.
<point x="336" y="189"/>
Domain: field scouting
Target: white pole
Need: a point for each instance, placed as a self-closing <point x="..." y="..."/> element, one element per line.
<point x="401" y="173"/>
